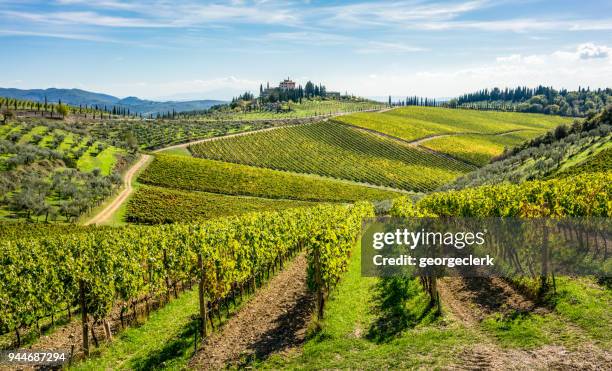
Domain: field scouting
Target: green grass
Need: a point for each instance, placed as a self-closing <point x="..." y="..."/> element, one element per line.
<point x="180" y="151"/>
<point x="587" y="305"/>
<point x="165" y="340"/>
<point x="592" y="159"/>
<point x="196" y="174"/>
<point x="580" y="314"/>
<point x="105" y="160"/>
<point x="411" y="123"/>
<point x="162" y="205"/>
<point x="376" y="324"/>
<point x="37" y="130"/>
<point x="338" y="151"/>
<point x="67" y="143"/>
<point x="477" y="149"/>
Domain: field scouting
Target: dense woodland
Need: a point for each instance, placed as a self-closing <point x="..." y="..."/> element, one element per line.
<point x="541" y="99"/>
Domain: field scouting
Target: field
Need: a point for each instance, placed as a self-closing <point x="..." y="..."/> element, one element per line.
<point x="412" y="123"/>
<point x="232" y="218"/>
<point x="234" y="179"/>
<point x="154" y="205"/>
<point x="477" y="149"/>
<point x="337" y="151"/>
<point x="180" y="188"/>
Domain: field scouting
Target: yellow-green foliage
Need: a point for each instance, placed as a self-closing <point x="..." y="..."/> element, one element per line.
<point x="411" y="123"/>
<point x="234" y="179"/>
<point x="477" y="149"/>
<point x="588" y="194"/>
<point x="154" y="205"/>
<point x="338" y="151"/>
<point x="105" y="160"/>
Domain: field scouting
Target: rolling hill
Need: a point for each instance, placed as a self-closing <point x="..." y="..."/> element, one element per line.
<point x="78" y="97"/>
<point x="583" y="147"/>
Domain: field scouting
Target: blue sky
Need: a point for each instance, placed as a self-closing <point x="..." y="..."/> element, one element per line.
<point x="201" y="49"/>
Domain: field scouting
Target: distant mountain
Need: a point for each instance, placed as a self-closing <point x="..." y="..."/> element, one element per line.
<point x="76" y="97"/>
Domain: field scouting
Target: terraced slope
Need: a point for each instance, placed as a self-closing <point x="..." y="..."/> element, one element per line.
<point x="412" y="123"/>
<point x="338" y="151"/>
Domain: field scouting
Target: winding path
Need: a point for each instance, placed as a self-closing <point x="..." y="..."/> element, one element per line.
<point x="104" y="215"/>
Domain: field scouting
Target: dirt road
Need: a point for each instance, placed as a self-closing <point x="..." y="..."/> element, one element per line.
<point x="273" y="321"/>
<point x="104" y="215"/>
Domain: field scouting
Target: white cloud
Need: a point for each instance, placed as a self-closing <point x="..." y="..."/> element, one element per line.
<point x="561" y="69"/>
<point x="307" y="37"/>
<point x="85" y="18"/>
<point x="161" y="14"/>
<point x="375" y="13"/>
<point x="71" y="36"/>
<point x="374" y="47"/>
<point x="590" y="51"/>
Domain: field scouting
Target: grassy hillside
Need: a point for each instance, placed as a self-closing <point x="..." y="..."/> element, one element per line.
<point x="411" y="123"/>
<point x="478" y="149"/>
<point x="77" y="149"/>
<point x="55" y="171"/>
<point x="337" y="151"/>
<point x="584" y="144"/>
<point x="195" y="174"/>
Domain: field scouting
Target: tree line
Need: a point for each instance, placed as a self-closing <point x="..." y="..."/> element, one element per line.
<point x="542" y="99"/>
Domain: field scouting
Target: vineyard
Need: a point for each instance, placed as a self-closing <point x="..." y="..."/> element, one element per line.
<point x="161" y="133"/>
<point x="412" y="123"/>
<point x="156" y="205"/>
<point x="337" y="151"/>
<point x="477" y="149"/>
<point x="195" y="174"/>
<point x="470" y="322"/>
<point x="251" y="247"/>
<point x="97" y="270"/>
<point x="549" y="154"/>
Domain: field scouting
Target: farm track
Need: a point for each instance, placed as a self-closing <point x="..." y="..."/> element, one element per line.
<point x="291" y="122"/>
<point x="187" y="144"/>
<point x="104" y="215"/>
<point x="470" y="300"/>
<point x="414" y="143"/>
<point x="273" y="321"/>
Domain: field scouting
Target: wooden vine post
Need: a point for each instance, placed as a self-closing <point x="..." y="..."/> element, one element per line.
<point x="317" y="265"/>
<point x="84" y="317"/>
<point x="203" y="304"/>
<point x="545" y="260"/>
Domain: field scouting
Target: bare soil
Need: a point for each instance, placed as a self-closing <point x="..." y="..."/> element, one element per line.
<point x="273" y="321"/>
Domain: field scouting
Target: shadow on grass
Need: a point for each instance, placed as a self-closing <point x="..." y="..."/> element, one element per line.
<point x="179" y="347"/>
<point x="400" y="304"/>
<point x="287" y="332"/>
